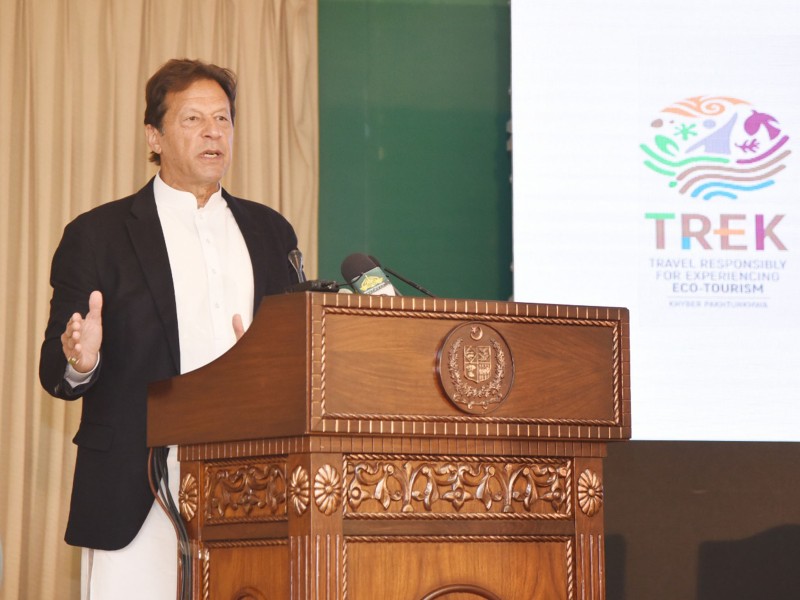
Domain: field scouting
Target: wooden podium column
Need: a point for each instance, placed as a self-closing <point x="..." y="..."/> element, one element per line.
<point x="316" y="541"/>
<point x="589" y="539"/>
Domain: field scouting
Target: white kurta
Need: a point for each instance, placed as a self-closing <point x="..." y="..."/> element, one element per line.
<point x="213" y="280"/>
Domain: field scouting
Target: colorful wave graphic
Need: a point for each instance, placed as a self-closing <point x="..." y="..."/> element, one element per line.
<point x="716" y="147"/>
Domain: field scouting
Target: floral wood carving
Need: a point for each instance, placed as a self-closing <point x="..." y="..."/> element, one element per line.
<point x="391" y="488"/>
<point x="299" y="490"/>
<point x="246" y="492"/>
<point x="590" y="493"/>
<point x="188" y="497"/>
<point x="327" y="490"/>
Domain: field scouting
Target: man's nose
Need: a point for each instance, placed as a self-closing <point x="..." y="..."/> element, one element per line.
<point x="212" y="128"/>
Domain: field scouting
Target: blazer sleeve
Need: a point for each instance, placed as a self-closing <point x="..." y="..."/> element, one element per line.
<point x="73" y="276"/>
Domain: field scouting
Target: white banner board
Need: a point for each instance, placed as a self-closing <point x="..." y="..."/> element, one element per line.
<point x="655" y="167"/>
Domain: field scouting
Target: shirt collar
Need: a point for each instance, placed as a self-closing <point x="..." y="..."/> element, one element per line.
<point x="169" y="197"/>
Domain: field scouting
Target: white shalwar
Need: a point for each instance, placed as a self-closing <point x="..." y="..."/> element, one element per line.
<point x="213" y="280"/>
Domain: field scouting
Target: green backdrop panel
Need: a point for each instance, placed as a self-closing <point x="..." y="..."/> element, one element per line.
<point x="414" y="169"/>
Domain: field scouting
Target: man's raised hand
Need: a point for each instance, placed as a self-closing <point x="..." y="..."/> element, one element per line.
<point x="83" y="336"/>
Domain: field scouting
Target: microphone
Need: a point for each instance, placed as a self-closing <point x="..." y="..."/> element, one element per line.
<point x="303" y="284"/>
<point x="296" y="260"/>
<point x="413" y="284"/>
<point x="366" y="277"/>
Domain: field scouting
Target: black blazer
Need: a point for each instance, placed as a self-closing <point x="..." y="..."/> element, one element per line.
<point x="119" y="249"/>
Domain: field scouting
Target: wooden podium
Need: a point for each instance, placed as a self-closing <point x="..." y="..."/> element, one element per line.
<point x="358" y="447"/>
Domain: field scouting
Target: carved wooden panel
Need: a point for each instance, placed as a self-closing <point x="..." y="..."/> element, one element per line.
<point x="588" y="343"/>
<point x="456" y="487"/>
<point x="257" y="570"/>
<point x="416" y="567"/>
<point x="245" y="491"/>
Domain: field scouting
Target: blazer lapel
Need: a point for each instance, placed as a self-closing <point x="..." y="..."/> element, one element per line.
<point x="147" y="237"/>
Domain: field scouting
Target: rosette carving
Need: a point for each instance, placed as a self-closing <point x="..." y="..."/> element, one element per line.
<point x="590" y="493"/>
<point x="188" y="496"/>
<point x="327" y="490"/>
<point x="299" y="490"/>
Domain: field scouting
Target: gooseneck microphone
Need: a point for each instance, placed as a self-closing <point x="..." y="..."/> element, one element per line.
<point x="303" y="284"/>
<point x="296" y="260"/>
<point x="366" y="277"/>
<point x="413" y="284"/>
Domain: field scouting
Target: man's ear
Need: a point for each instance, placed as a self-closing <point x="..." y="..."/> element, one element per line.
<point x="153" y="136"/>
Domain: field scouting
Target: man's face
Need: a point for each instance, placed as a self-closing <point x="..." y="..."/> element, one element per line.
<point x="196" y="145"/>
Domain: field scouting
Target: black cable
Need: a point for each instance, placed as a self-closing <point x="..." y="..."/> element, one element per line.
<point x="158" y="475"/>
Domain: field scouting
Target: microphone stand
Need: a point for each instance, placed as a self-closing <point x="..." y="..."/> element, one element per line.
<point x="416" y="286"/>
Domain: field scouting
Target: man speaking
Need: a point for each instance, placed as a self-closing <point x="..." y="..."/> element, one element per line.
<point x="145" y="288"/>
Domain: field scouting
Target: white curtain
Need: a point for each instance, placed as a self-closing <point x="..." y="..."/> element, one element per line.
<point x="72" y="75"/>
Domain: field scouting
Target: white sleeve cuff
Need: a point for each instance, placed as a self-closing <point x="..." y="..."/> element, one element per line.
<point x="75" y="379"/>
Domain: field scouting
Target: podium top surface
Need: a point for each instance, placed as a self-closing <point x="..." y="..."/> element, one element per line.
<point x="341" y="364"/>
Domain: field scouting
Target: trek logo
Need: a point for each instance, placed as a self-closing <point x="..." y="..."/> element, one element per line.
<point x="716" y="149"/>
